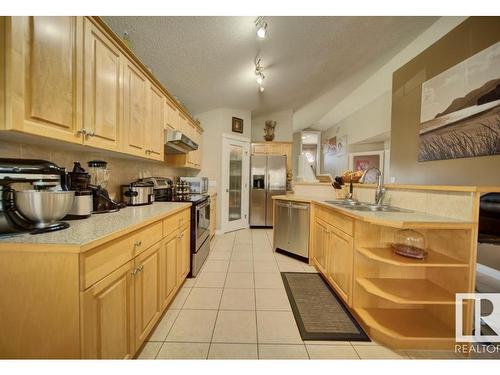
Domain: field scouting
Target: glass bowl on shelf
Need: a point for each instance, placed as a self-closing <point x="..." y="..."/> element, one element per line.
<point x="409" y="243"/>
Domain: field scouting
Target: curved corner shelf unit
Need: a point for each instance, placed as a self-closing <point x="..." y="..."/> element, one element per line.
<point x="433" y="259"/>
<point x="406" y="328"/>
<point x="407" y="291"/>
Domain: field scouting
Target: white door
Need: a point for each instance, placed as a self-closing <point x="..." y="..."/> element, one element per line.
<point x="235" y="176"/>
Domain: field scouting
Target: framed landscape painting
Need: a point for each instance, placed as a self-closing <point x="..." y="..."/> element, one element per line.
<point x="460" y="111"/>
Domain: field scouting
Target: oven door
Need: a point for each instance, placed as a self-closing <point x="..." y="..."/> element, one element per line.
<point x="202" y="224"/>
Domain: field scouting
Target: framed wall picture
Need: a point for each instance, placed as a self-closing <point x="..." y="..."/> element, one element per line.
<point x="237" y="125"/>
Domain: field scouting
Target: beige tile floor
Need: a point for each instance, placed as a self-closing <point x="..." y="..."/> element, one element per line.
<point x="237" y="308"/>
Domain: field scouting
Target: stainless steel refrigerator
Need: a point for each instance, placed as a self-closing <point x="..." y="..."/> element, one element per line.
<point x="267" y="178"/>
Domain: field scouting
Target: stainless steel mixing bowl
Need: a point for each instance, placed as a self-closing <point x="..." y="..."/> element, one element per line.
<point x="44" y="208"/>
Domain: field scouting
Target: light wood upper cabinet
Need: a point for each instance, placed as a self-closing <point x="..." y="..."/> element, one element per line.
<point x="108" y="316"/>
<point x="102" y="114"/>
<point x="147" y="292"/>
<point x="172" y="116"/>
<point x="134" y="107"/>
<point x="154" y="135"/>
<point x="45" y="76"/>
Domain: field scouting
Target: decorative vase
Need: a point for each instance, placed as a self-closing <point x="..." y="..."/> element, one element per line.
<point x="269" y="130"/>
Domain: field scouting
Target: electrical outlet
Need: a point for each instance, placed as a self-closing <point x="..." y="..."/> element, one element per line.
<point x="393" y="179"/>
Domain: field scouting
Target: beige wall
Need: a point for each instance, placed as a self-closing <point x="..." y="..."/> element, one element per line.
<point x="373" y="120"/>
<point x="122" y="170"/>
<point x="215" y="123"/>
<point x="470" y="37"/>
<point x="284" y="126"/>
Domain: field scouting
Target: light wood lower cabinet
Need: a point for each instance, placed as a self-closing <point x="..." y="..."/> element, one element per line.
<point x="184" y="259"/>
<point x="168" y="260"/>
<point x="340" y="262"/>
<point x="147" y="285"/>
<point x="108" y="316"/>
<point x="320" y="244"/>
<point x="98" y="303"/>
<point x="333" y="256"/>
<point x="213" y="215"/>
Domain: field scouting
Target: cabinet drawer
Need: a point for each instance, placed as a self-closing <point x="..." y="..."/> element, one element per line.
<point x="103" y="260"/>
<point x="342" y="222"/>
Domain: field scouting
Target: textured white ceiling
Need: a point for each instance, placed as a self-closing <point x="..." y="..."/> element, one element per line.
<point x="208" y="62"/>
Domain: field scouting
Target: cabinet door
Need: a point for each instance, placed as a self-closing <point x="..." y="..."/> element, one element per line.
<point x="274" y="148"/>
<point x="183" y="124"/>
<point x="102" y="90"/>
<point x="45" y="76"/>
<point x="173" y="116"/>
<point x="320" y="244"/>
<point x="184" y="255"/>
<point x="168" y="258"/>
<point x="259" y="149"/>
<point x="154" y="130"/>
<point x="286" y="149"/>
<point x="134" y="117"/>
<point x="147" y="292"/>
<point x="340" y="262"/>
<point x="108" y="316"/>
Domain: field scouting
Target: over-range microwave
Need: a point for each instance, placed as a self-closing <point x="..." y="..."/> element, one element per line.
<point x="197" y="185"/>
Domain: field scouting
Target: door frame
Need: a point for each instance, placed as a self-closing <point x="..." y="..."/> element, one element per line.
<point x="226" y="225"/>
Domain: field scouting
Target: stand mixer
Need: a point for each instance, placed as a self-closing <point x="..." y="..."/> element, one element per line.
<point x="39" y="208"/>
<point x="99" y="177"/>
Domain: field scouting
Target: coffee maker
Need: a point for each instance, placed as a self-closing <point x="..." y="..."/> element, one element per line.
<point x="99" y="176"/>
<point x="78" y="180"/>
<point x="40" y="199"/>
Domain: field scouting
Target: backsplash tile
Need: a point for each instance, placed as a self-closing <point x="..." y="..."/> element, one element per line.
<point x="121" y="170"/>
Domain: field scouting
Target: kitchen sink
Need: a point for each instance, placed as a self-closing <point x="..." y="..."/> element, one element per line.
<point x="360" y="206"/>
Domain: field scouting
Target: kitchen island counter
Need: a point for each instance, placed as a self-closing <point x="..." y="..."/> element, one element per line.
<point x="88" y="233"/>
<point x="393" y="219"/>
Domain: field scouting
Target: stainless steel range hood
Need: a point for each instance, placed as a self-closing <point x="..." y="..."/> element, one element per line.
<point x="177" y="143"/>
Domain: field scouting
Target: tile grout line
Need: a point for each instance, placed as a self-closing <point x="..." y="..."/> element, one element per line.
<point x="218" y="309"/>
<point x="255" y="301"/>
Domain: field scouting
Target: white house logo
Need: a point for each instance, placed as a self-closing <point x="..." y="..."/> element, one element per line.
<point x="489" y="316"/>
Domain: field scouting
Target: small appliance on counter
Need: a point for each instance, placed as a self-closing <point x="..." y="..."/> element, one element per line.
<point x="99" y="177"/>
<point x="197" y="185"/>
<point x="78" y="181"/>
<point x="181" y="187"/>
<point x="162" y="188"/>
<point x="138" y="193"/>
<point x="36" y="210"/>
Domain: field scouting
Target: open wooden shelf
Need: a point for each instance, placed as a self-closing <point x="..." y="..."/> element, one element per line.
<point x="408" y="291"/>
<point x="406" y="328"/>
<point x="433" y="259"/>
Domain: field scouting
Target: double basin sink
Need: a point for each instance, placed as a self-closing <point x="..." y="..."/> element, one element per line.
<point x="360" y="206"/>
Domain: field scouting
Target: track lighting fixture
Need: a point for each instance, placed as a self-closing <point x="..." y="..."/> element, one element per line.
<point x="259" y="74"/>
<point x="261" y="27"/>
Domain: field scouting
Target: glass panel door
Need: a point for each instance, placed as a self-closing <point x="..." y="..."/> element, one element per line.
<point x="235" y="181"/>
<point x="235" y="178"/>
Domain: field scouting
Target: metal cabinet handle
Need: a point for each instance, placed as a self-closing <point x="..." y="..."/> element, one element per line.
<point x="141" y="268"/>
<point x="90" y="133"/>
<point x="137" y="243"/>
<point x="134" y="272"/>
<point x="82" y="131"/>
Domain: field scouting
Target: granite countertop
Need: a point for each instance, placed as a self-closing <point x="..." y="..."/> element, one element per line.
<point x="393" y="219"/>
<point x="86" y="233"/>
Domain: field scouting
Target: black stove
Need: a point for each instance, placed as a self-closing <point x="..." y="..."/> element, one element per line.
<point x="193" y="198"/>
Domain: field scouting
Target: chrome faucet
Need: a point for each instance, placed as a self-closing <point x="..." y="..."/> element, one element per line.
<point x="380" y="190"/>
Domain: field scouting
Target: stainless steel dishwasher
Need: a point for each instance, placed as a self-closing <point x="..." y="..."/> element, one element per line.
<point x="291" y="227"/>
